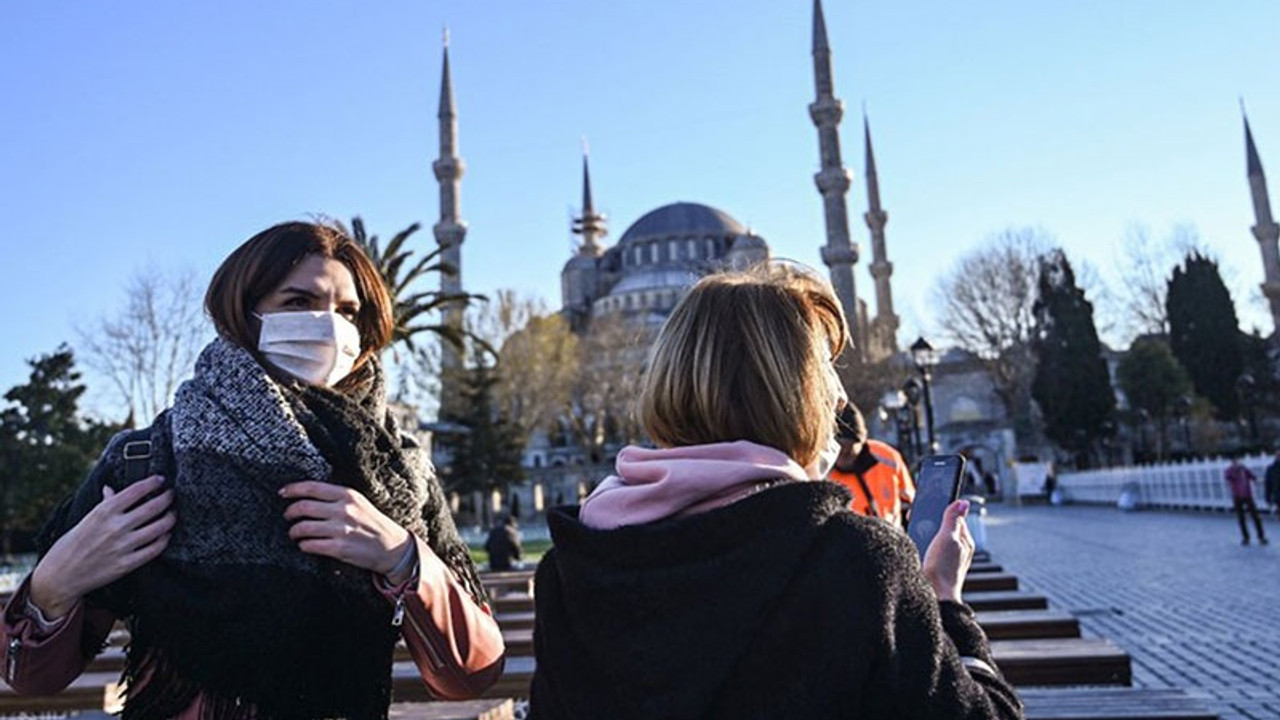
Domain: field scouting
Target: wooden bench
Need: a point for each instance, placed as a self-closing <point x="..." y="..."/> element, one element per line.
<point x="1005" y="600"/>
<point x="491" y="709"/>
<point x="516" y="620"/>
<point x="1112" y="704"/>
<point x="1028" y="624"/>
<point x="507" y="581"/>
<point x="1062" y="661"/>
<point x="984" y="582"/>
<point x="89" y="692"/>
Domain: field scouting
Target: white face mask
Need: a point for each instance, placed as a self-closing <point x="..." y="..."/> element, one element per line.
<point x="317" y="347"/>
<point x="826" y="460"/>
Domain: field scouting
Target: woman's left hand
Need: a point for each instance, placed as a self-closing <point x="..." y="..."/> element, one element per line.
<point x="340" y="523"/>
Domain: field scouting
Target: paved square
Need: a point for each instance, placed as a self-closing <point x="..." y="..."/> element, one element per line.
<point x="1194" y="608"/>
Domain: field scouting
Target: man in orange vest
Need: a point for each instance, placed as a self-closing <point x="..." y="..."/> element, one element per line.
<point x="873" y="471"/>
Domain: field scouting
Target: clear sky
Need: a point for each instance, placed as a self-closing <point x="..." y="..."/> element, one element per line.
<point x="154" y="134"/>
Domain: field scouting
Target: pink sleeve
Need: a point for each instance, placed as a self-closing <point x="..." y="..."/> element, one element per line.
<point x="43" y="658"/>
<point x="455" y="642"/>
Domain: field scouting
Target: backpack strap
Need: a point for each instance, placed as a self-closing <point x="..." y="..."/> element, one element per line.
<point x="137" y="455"/>
<point x="872" y="507"/>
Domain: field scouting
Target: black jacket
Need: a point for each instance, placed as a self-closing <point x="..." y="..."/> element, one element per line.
<point x="781" y="605"/>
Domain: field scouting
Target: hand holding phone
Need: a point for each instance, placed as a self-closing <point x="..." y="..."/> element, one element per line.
<point x="937" y="486"/>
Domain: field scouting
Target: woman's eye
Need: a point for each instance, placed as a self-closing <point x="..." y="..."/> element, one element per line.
<point x="348" y="312"/>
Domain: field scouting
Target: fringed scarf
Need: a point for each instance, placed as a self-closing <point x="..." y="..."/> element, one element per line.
<point x="233" y="611"/>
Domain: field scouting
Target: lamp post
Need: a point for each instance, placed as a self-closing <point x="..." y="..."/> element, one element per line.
<point x="892" y="409"/>
<point x="1245" y="387"/>
<point x="914" y="392"/>
<point x="1182" y="409"/>
<point x="925" y="358"/>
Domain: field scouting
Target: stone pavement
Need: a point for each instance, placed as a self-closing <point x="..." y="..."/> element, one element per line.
<point x="1194" y="608"/>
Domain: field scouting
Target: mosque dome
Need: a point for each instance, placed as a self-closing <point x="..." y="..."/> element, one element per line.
<point x="682" y="219"/>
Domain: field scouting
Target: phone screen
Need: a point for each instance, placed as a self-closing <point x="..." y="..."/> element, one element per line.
<point x="937" y="486"/>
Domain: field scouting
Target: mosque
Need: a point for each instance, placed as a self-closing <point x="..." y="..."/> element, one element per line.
<point x="662" y="253"/>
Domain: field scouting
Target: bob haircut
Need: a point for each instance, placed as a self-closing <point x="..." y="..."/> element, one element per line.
<point x="258" y="266"/>
<point x="748" y="356"/>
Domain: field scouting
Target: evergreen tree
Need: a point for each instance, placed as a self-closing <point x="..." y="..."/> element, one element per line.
<point x="485" y="454"/>
<point x="1071" y="383"/>
<point x="1152" y="380"/>
<point x="46" y="449"/>
<point x="1204" y="332"/>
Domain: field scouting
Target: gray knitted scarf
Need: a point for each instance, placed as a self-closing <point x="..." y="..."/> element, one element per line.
<point x="233" y="611"/>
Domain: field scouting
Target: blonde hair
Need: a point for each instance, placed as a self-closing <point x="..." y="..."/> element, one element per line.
<point x="748" y="356"/>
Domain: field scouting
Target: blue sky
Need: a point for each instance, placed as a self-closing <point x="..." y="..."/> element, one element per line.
<point x="160" y="135"/>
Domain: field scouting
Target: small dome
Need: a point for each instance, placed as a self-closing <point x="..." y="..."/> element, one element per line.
<point x="682" y="218"/>
<point x="749" y="242"/>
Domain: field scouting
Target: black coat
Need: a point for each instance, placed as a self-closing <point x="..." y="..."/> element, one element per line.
<point x="781" y="605"/>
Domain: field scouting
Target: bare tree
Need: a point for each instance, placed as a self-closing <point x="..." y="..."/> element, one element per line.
<point x="537" y="357"/>
<point x="149" y="345"/>
<point x="1144" y="269"/>
<point x="987" y="301"/>
<point x="600" y="410"/>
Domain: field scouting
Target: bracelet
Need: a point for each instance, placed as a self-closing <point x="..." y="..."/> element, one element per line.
<point x="410" y="554"/>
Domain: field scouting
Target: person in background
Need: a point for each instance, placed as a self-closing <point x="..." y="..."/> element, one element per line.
<point x="1240" y="479"/>
<point x="1272" y="483"/>
<point x="873" y="471"/>
<point x="503" y="544"/>
<point x="272" y="535"/>
<point x="719" y="576"/>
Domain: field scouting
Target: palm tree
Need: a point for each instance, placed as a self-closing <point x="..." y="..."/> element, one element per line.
<point x="413" y="308"/>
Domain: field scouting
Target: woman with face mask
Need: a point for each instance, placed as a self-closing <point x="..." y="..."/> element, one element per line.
<point x="719" y="576"/>
<point x="278" y="535"/>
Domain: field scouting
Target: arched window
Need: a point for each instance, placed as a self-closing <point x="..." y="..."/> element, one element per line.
<point x="673" y="250"/>
<point x="653" y="252"/>
<point x="710" y="244"/>
<point x="691" y="249"/>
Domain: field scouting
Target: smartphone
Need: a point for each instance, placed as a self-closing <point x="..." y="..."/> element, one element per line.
<point x="937" y="486"/>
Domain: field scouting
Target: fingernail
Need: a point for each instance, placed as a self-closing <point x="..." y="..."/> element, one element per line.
<point x="159" y="480"/>
<point x="964" y="507"/>
<point x="280" y="492"/>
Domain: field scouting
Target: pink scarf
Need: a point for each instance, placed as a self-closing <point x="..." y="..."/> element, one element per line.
<point x="670" y="482"/>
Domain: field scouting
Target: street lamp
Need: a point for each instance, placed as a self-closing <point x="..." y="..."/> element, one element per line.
<point x="1245" y="387"/>
<point x="914" y="392"/>
<point x="925" y="358"/>
<point x="893" y="408"/>
<point x="1182" y="409"/>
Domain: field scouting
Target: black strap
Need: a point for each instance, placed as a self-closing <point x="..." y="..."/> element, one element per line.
<point x="137" y="455"/>
<point x="872" y="507"/>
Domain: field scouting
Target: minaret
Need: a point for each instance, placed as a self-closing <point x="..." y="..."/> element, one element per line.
<point x="590" y="225"/>
<point x="580" y="279"/>
<point x="1266" y="230"/>
<point x="839" y="254"/>
<point x="884" y="336"/>
<point x="450" y="231"/>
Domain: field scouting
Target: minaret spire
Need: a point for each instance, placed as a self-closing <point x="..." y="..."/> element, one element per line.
<point x="450" y="231"/>
<point x="884" y="333"/>
<point x="1266" y="231"/>
<point x="840" y="254"/>
<point x="591" y="225"/>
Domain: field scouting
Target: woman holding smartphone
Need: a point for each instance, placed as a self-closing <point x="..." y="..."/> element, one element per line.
<point x="717" y="576"/>
<point x="272" y="535"/>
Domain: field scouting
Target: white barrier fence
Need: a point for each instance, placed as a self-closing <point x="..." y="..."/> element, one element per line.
<point x="1195" y="485"/>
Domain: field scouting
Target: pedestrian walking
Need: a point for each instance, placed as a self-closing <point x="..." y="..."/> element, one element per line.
<point x="1240" y="478"/>
<point x="1272" y="483"/>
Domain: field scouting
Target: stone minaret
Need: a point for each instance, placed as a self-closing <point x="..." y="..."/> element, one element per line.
<point x="884" y="329"/>
<point x="840" y="254"/>
<point x="450" y="231"/>
<point x="1266" y="230"/>
<point x="579" y="281"/>
<point x="591" y="225"/>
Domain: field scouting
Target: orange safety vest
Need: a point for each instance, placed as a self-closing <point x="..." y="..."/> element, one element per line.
<point x="888" y="480"/>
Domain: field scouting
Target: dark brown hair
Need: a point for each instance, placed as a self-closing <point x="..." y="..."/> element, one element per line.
<point x="258" y="266"/>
